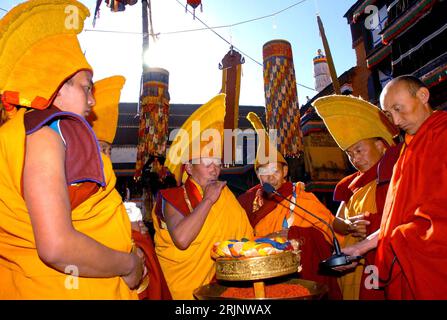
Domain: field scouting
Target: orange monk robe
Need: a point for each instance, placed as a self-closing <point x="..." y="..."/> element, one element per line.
<point x="186" y="270"/>
<point x="102" y="217"/>
<point x="414" y="224"/>
<point x="273" y="211"/>
<point x="267" y="215"/>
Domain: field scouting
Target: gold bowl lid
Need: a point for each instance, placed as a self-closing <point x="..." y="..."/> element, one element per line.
<point x="258" y="268"/>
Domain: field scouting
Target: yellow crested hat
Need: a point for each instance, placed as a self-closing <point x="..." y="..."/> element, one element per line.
<point x="39" y="50"/>
<point x="200" y="136"/>
<point x="104" y="116"/>
<point x="263" y="153"/>
<point x="350" y="119"/>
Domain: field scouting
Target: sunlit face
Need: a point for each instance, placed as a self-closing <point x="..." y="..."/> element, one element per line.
<point x="76" y="95"/>
<point x="205" y="172"/>
<point x="406" y="111"/>
<point x="106" y="148"/>
<point x="365" y="153"/>
<point x="274" y="173"/>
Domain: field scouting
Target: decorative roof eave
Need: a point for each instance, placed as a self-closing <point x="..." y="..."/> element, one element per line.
<point x="406" y="20"/>
<point x="320" y="60"/>
<point x="124" y="172"/>
<point x="435" y="76"/>
<point x="321" y="186"/>
<point x="237" y="170"/>
<point x="313" y="126"/>
<point x="378" y="57"/>
<point x="361" y="9"/>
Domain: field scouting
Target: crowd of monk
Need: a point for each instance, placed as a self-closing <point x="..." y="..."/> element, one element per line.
<point x="65" y="232"/>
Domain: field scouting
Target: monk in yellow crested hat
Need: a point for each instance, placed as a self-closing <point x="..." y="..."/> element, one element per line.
<point x="272" y="168"/>
<point x="266" y="152"/>
<point x="104" y="121"/>
<point x="39" y="50"/>
<point x="271" y="215"/>
<point x="59" y="210"/>
<point x="366" y="135"/>
<point x="190" y="218"/>
<point x="201" y="136"/>
<point x="104" y="116"/>
<point x="350" y="119"/>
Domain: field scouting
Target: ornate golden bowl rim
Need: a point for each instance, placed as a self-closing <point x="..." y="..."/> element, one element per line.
<point x="257" y="268"/>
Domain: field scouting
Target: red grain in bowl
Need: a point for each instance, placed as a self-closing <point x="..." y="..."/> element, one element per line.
<point x="281" y="290"/>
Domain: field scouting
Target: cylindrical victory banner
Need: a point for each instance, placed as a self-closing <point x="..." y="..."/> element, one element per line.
<point x="281" y="99"/>
<point x="154" y="114"/>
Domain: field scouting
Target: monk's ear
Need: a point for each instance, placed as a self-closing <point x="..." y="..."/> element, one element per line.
<point x="57" y="100"/>
<point x="285" y="171"/>
<point x="188" y="168"/>
<point x="380" y="145"/>
<point x="423" y="94"/>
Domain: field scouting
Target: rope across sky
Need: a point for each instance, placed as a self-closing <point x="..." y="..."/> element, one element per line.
<point x="212" y="29"/>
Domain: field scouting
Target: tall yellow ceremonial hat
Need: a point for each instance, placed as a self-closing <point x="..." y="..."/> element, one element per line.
<point x="201" y="136"/>
<point x="104" y="115"/>
<point x="266" y="152"/>
<point x="39" y="50"/>
<point x="350" y="119"/>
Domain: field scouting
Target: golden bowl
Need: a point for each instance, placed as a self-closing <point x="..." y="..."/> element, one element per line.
<point x="258" y="268"/>
<point x="215" y="290"/>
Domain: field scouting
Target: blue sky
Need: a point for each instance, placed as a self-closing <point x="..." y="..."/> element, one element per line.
<point x="192" y="58"/>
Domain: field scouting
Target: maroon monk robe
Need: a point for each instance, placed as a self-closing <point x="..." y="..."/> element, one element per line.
<point x="414" y="225"/>
<point x="158" y="288"/>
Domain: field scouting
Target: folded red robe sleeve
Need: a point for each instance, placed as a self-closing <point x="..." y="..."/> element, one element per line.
<point x="158" y="288"/>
